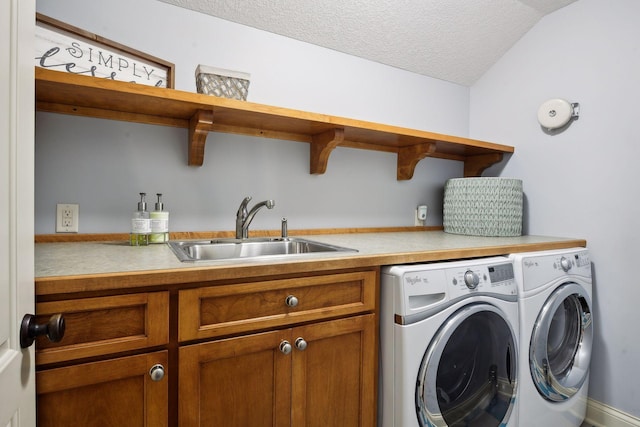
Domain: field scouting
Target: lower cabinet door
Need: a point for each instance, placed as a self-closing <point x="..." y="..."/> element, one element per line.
<point x="128" y="391"/>
<point x="334" y="373"/>
<point x="236" y="382"/>
<point x="321" y="374"/>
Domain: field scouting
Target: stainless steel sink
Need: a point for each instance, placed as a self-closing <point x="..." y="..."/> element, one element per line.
<point x="229" y="249"/>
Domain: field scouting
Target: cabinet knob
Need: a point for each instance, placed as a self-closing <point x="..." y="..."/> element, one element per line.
<point x="156" y="372"/>
<point x="285" y="347"/>
<point x="291" y="301"/>
<point x="29" y="329"/>
<point x="301" y="344"/>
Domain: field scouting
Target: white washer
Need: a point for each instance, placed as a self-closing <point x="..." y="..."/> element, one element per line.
<point x="449" y="344"/>
<point x="556" y="336"/>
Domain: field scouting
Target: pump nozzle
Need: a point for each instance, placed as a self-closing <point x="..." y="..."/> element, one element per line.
<point x="142" y="204"/>
<point x="159" y="204"/>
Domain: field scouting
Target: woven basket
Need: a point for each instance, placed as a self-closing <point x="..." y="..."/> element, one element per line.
<point x="222" y="83"/>
<point x="483" y="206"/>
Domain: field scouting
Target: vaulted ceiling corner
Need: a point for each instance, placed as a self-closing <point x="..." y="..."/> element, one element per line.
<point x="452" y="40"/>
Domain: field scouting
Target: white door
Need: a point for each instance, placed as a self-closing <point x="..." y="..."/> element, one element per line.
<point x="17" y="375"/>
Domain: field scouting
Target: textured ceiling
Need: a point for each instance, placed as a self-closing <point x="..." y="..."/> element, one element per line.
<point x="453" y="40"/>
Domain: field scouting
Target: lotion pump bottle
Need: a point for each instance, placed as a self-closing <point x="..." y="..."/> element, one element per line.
<point x="140" y="224"/>
<point x="159" y="223"/>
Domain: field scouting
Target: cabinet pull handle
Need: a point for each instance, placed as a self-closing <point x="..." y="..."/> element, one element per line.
<point x="29" y="329"/>
<point x="285" y="347"/>
<point x="156" y="372"/>
<point x="291" y="301"/>
<point x="301" y="344"/>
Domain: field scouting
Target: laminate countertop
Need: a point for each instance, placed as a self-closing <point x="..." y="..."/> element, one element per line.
<point x="79" y="266"/>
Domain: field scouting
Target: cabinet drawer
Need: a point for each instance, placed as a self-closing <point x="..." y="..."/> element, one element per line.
<point x="105" y="325"/>
<point x="230" y="309"/>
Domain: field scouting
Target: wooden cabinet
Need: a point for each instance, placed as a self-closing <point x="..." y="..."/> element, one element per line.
<point x="292" y="351"/>
<point x="333" y="379"/>
<point x="230" y="309"/>
<point x="242" y="381"/>
<point x="74" y="389"/>
<point x="318" y="373"/>
<point x="256" y="380"/>
<point x="114" y="392"/>
<point x="104" y="325"/>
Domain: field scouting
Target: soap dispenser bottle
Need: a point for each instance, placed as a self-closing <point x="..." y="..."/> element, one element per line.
<point x="140" y="224"/>
<point x="159" y="223"/>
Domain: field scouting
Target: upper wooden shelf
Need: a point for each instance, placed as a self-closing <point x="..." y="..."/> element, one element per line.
<point x="68" y="93"/>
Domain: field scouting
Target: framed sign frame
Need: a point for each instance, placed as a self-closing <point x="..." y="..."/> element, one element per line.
<point x="63" y="47"/>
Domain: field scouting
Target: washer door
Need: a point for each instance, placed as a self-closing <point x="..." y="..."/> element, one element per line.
<point x="468" y="373"/>
<point x="561" y="340"/>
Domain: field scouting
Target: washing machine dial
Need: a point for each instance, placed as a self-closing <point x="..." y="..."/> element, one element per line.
<point x="565" y="264"/>
<point x="471" y="279"/>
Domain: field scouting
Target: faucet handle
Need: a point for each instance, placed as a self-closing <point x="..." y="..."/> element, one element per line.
<point x="242" y="210"/>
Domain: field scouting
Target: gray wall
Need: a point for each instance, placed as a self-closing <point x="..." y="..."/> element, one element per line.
<point x="584" y="181"/>
<point x="102" y="165"/>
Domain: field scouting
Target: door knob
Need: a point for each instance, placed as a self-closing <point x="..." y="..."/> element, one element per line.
<point x="29" y="329"/>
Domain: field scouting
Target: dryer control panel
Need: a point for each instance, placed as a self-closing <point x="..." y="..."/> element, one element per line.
<point x="541" y="268"/>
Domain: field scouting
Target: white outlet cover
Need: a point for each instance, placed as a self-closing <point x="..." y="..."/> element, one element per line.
<point x="422" y="212"/>
<point x="67" y="218"/>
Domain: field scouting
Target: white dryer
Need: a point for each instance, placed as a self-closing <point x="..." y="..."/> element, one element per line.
<point x="556" y="335"/>
<point x="449" y="344"/>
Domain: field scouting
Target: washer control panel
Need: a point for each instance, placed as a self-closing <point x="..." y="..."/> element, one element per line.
<point x="417" y="287"/>
<point x="490" y="278"/>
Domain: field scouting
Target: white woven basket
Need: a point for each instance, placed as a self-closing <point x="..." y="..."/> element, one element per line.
<point x="483" y="206"/>
<point x="222" y="83"/>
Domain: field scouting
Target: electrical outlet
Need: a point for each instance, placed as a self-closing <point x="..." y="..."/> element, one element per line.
<point x="67" y="218"/>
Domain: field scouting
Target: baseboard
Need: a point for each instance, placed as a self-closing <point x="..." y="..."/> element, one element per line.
<point x="602" y="415"/>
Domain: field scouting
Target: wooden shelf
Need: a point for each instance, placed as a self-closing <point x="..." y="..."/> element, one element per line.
<point x="74" y="94"/>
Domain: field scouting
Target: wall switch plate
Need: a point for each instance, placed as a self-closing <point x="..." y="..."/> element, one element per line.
<point x="67" y="218"/>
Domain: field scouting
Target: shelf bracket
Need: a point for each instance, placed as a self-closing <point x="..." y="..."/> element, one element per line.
<point x="322" y="145"/>
<point x="199" y="127"/>
<point x="475" y="165"/>
<point x="409" y="156"/>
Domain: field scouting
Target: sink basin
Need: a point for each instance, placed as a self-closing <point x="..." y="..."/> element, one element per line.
<point x="229" y="249"/>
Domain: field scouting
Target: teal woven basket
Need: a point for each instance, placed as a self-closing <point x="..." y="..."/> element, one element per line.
<point x="483" y="206"/>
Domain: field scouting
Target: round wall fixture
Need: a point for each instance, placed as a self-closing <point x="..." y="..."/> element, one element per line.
<point x="557" y="113"/>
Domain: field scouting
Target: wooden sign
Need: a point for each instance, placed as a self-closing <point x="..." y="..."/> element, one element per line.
<point x="62" y="47"/>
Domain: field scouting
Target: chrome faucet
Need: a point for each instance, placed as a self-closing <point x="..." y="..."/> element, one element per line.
<point x="244" y="216"/>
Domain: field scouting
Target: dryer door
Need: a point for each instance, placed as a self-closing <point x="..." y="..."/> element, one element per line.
<point x="560" y="349"/>
<point x="468" y="373"/>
